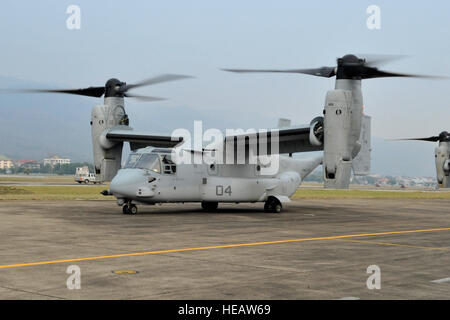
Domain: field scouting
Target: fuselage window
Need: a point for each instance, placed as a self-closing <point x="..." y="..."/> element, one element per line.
<point x="169" y="167"/>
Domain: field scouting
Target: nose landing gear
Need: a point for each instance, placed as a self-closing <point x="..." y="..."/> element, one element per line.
<point x="129" y="208"/>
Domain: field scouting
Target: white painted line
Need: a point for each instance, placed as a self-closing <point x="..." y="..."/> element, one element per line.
<point x="441" y="280"/>
<point x="349" y="298"/>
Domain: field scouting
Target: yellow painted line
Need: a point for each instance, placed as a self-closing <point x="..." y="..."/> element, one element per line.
<point x="221" y="247"/>
<point x="125" y="271"/>
<point x="394" y="244"/>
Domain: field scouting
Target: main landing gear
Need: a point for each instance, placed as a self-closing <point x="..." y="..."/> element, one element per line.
<point x="209" y="206"/>
<point x="273" y="205"/>
<point x="129" y="208"/>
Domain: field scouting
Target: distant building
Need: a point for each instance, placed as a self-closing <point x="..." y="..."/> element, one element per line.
<point x="27" y="164"/>
<point x="54" y="160"/>
<point x="5" y="163"/>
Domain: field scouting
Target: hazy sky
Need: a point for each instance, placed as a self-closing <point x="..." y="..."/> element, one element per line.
<point x="134" y="40"/>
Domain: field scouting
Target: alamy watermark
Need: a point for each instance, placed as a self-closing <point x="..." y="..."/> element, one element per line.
<point x="373" y="21"/>
<point x="74" y="280"/>
<point x="236" y="146"/>
<point x="73" y="22"/>
<point x="374" y="280"/>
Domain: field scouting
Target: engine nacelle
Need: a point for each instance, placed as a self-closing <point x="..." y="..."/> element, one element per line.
<point x="442" y="158"/>
<point x="316" y="131"/>
<point x="107" y="154"/>
<point x="338" y="149"/>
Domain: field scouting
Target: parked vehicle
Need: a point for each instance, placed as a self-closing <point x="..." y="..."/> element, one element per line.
<point x="82" y="175"/>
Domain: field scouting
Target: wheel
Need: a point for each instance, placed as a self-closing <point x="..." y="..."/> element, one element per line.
<point x="277" y="208"/>
<point x="86" y="181"/>
<point x="126" y="209"/>
<point x="273" y="205"/>
<point x="133" y="209"/>
<point x="79" y="182"/>
<point x="209" y="206"/>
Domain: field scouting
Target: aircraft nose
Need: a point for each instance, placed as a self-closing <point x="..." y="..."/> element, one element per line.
<point x="126" y="182"/>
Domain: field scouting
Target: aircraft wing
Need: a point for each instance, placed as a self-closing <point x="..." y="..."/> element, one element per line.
<point x="291" y="139"/>
<point x="139" y="140"/>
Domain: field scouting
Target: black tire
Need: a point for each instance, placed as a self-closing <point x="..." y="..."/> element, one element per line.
<point x="273" y="205"/>
<point x="86" y="181"/>
<point x="126" y="209"/>
<point x="210" y="206"/>
<point x="132" y="209"/>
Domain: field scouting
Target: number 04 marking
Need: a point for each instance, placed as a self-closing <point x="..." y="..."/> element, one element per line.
<point x="220" y="191"/>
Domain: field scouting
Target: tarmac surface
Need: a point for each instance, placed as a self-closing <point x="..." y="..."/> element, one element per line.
<point x="314" y="249"/>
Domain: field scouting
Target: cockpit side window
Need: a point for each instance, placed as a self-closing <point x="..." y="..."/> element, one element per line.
<point x="133" y="158"/>
<point x="150" y="162"/>
<point x="169" y="167"/>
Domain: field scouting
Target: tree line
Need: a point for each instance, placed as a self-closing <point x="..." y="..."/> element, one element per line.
<point x="59" y="169"/>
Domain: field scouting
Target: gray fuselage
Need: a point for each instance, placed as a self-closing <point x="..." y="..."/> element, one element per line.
<point x="149" y="176"/>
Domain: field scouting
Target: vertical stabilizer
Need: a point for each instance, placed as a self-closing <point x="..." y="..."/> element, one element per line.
<point x="361" y="163"/>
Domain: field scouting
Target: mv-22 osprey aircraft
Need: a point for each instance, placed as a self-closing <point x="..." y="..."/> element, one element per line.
<point x="153" y="174"/>
<point x="441" y="157"/>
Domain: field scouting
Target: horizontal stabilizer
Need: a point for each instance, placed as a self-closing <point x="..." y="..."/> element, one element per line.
<point x="283" y="123"/>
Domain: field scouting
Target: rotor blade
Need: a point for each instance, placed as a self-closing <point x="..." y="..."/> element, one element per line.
<point x="143" y="98"/>
<point x="90" y="92"/>
<point x="369" y="73"/>
<point x="372" y="60"/>
<point x="155" y="80"/>
<point x="326" y="72"/>
<point x="431" y="139"/>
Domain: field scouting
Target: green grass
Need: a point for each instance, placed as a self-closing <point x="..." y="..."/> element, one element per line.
<point x="12" y="190"/>
<point x="81" y="192"/>
<point x="368" y="194"/>
<point x="39" y="179"/>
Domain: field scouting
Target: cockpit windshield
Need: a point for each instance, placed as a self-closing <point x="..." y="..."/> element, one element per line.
<point x="149" y="161"/>
<point x="132" y="160"/>
<point x="144" y="161"/>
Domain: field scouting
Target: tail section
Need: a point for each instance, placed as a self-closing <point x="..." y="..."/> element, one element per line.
<point x="303" y="166"/>
<point x="361" y="163"/>
<point x="308" y="166"/>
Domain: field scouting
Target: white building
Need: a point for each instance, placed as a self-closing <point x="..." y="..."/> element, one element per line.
<point x="54" y="160"/>
<point x="5" y="163"/>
